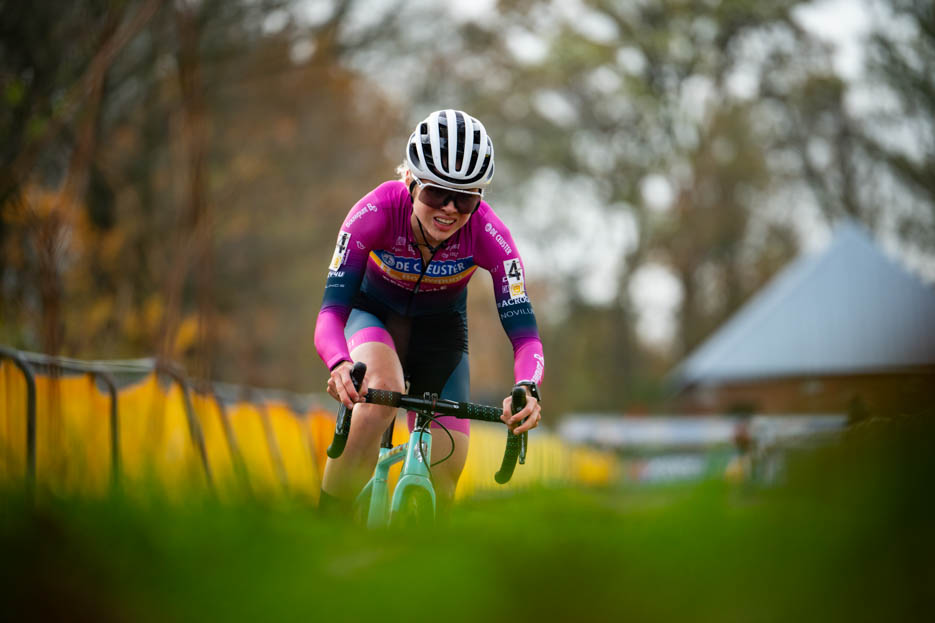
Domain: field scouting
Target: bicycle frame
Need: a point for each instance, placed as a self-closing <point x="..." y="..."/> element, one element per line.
<point x="415" y="473"/>
<point x="416" y="453"/>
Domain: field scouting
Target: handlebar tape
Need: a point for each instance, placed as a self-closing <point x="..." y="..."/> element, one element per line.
<point x="514" y="443"/>
<point x="342" y="425"/>
<point x="479" y="412"/>
<point x="383" y="397"/>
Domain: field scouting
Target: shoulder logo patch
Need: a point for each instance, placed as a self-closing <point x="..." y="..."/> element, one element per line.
<point x="340" y="250"/>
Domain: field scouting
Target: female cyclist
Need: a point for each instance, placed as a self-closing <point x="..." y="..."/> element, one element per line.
<point x="396" y="297"/>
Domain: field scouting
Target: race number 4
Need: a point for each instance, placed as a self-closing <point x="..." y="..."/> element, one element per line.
<point x="340" y="250"/>
<point x="514" y="277"/>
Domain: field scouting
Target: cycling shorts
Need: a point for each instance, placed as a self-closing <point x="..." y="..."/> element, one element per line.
<point x="432" y="350"/>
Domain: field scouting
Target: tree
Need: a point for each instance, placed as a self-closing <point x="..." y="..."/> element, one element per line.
<point x="219" y="130"/>
<point x="609" y="95"/>
<point x="900" y="135"/>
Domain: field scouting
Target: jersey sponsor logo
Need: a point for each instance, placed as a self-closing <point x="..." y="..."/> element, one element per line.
<point x="364" y="211"/>
<point x="511" y="301"/>
<point x="540" y="368"/>
<point x="515" y="313"/>
<point x="410" y="268"/>
<point x="446" y="268"/>
<point x="490" y="229"/>
<point x="340" y="250"/>
<point x="513" y="271"/>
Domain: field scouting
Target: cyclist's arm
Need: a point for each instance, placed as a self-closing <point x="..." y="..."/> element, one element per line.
<point x="361" y="231"/>
<point x="496" y="252"/>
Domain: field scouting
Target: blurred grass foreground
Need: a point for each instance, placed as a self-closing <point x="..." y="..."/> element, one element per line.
<point x="844" y="533"/>
<point x="847" y="535"/>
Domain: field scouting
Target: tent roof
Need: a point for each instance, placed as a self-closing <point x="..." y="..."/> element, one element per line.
<point x="849" y="309"/>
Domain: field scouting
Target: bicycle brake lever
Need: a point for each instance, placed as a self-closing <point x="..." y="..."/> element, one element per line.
<point x="342" y="424"/>
<point x="514" y="446"/>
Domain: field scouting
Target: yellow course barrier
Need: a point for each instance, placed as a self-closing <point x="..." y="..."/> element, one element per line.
<point x="156" y="440"/>
<point x="260" y="449"/>
<point x="12" y="423"/>
<point x="549" y="461"/>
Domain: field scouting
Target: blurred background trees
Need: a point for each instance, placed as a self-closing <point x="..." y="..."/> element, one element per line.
<point x="173" y="174"/>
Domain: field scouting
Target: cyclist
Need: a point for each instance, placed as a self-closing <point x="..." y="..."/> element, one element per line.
<point x="395" y="298"/>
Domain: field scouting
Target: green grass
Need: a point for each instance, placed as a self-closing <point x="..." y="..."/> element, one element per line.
<point x="847" y="536"/>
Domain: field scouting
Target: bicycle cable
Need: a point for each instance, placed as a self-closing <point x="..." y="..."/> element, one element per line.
<point x="422" y="448"/>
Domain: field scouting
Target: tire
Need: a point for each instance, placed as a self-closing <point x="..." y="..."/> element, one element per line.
<point x="416" y="509"/>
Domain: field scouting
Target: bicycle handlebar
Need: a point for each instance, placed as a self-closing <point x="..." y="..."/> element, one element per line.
<point x="515" y="444"/>
<point x="342" y="425"/>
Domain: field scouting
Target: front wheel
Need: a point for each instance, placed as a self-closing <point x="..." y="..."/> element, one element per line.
<point x="416" y="509"/>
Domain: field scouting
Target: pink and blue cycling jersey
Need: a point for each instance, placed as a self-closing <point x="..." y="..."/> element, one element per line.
<point x="375" y="255"/>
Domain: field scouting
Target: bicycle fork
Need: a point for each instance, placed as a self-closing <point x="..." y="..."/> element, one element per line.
<point x="415" y="453"/>
<point x="415" y="473"/>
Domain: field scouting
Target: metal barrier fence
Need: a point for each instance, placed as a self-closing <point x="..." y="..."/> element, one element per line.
<point x="150" y="427"/>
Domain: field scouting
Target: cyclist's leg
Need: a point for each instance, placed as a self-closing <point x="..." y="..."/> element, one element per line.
<point x="445" y="475"/>
<point x="368" y="341"/>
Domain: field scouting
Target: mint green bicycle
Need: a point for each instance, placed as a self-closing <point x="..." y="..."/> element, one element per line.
<point x="413" y="499"/>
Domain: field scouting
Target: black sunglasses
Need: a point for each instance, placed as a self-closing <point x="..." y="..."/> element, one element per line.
<point x="437" y="198"/>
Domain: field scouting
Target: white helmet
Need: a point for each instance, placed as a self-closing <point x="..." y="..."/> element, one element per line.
<point x="437" y="148"/>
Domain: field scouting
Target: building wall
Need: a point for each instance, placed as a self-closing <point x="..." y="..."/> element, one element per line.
<point x="858" y="395"/>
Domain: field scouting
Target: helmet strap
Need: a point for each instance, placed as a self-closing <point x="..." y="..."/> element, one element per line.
<point x="425" y="240"/>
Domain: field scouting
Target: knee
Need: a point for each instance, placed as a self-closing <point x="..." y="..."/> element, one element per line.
<point x="390" y="382"/>
<point x="380" y="375"/>
<point x="375" y="413"/>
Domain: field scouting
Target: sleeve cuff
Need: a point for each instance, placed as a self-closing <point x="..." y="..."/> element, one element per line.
<point x="335" y="361"/>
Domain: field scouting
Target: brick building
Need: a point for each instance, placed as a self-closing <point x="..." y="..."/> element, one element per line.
<point x="847" y="330"/>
